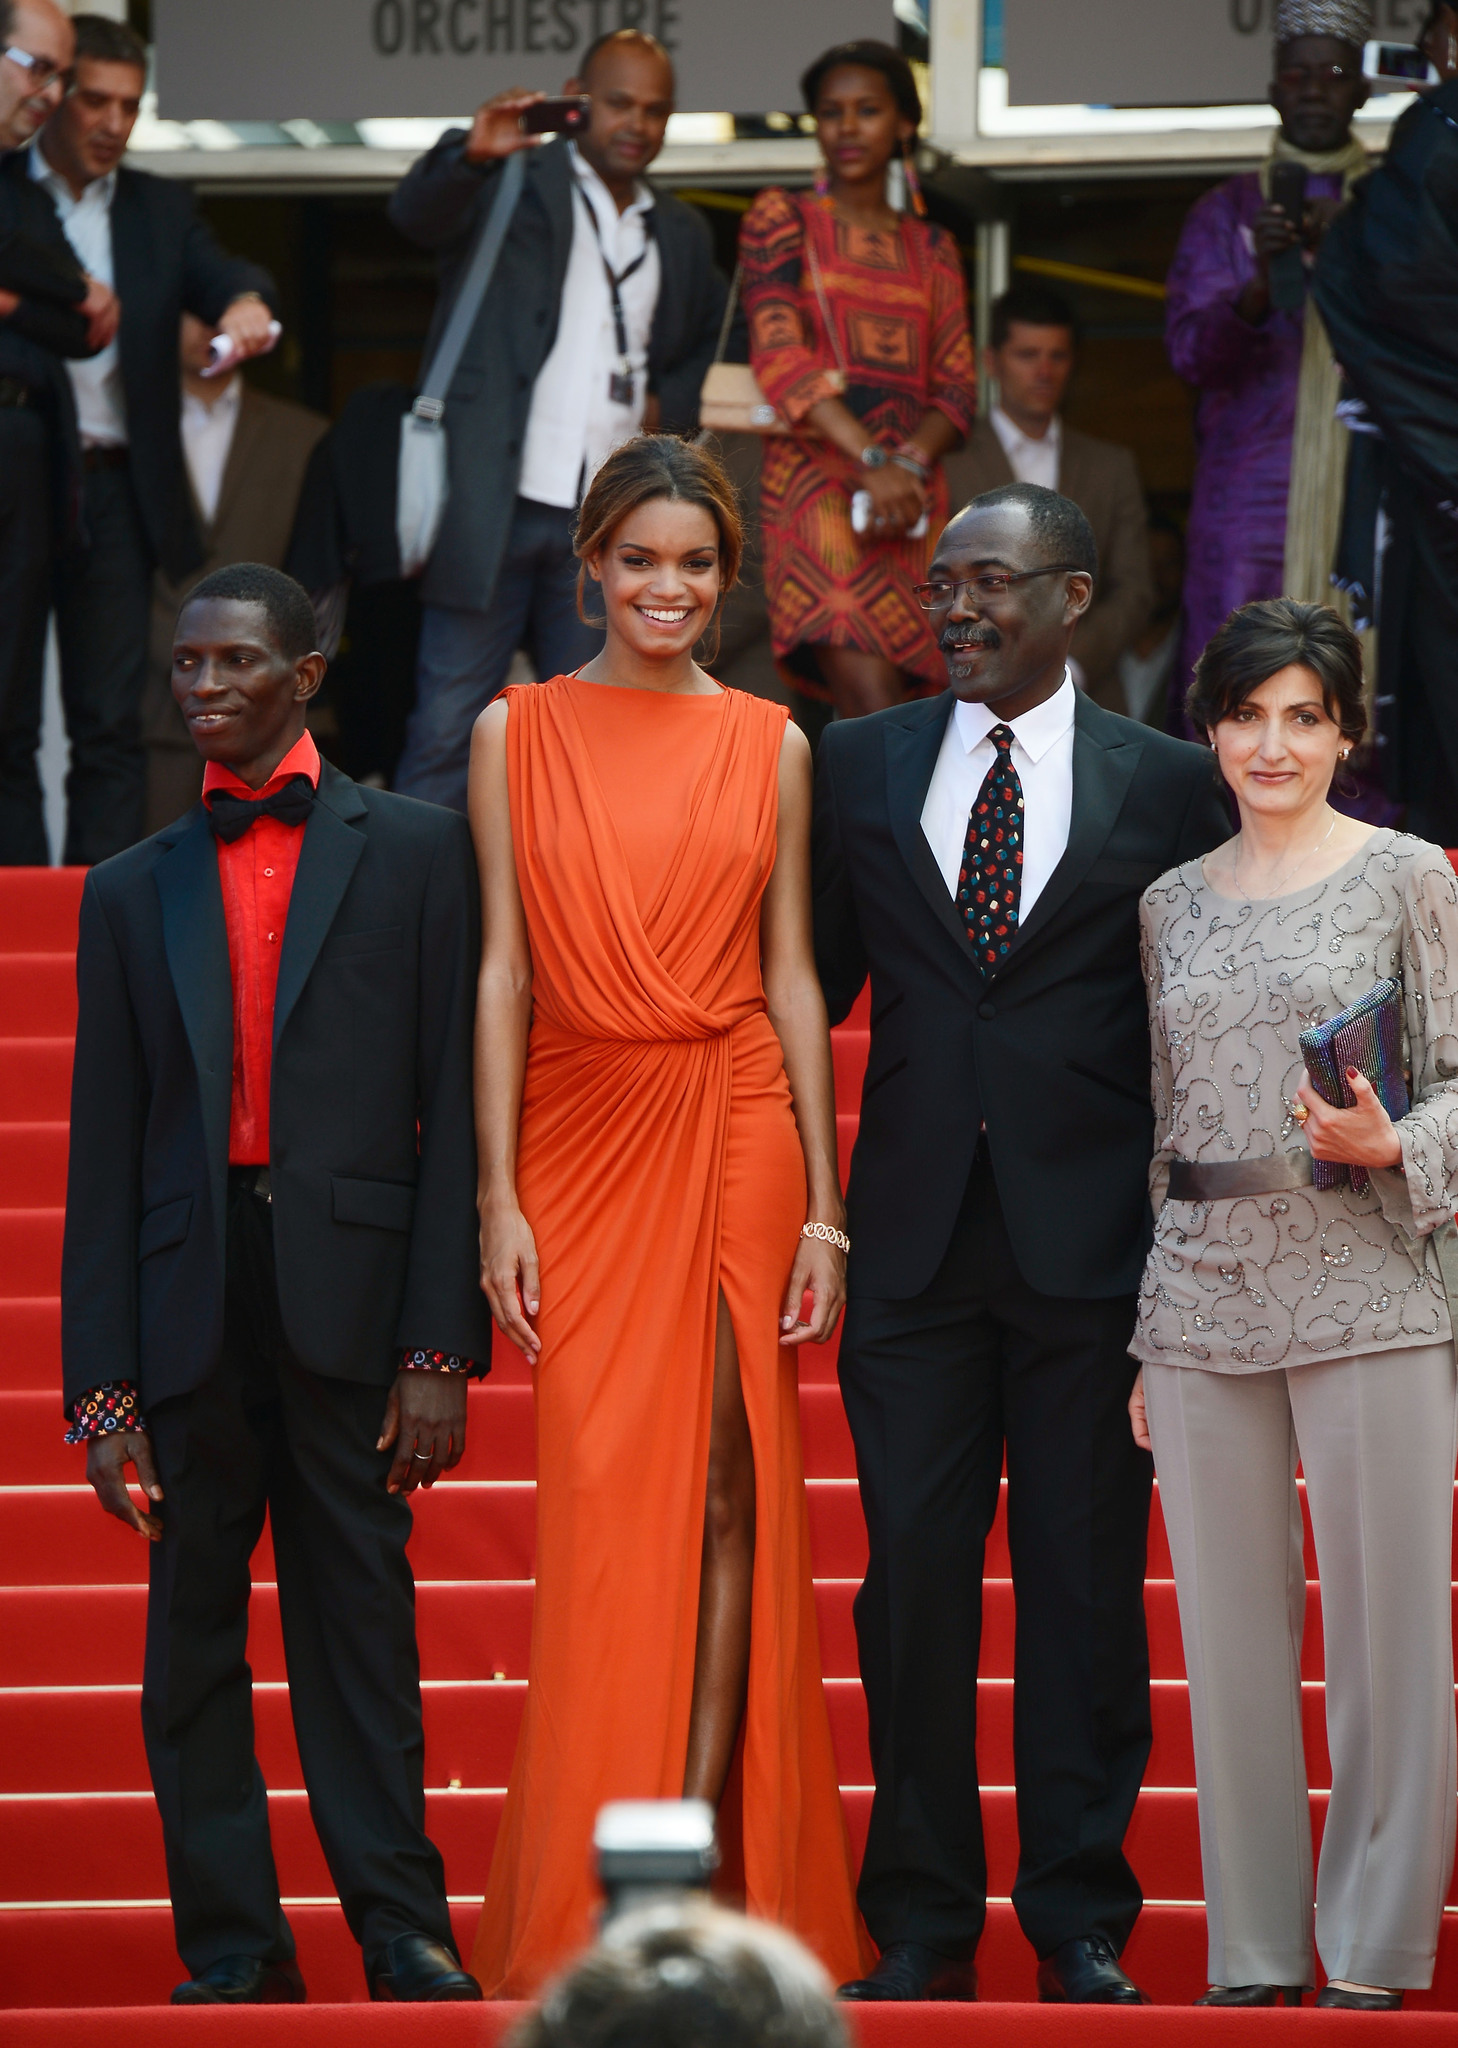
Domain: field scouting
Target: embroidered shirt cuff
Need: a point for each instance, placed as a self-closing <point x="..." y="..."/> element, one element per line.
<point x="114" y="1405"/>
<point x="442" y="1361"/>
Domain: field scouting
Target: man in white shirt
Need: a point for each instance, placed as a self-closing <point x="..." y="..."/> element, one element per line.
<point x="981" y="855"/>
<point x="142" y="236"/>
<point x="1025" y="439"/>
<point x="601" y="319"/>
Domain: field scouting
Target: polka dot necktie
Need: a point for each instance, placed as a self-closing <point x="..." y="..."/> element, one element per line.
<point x="990" y="886"/>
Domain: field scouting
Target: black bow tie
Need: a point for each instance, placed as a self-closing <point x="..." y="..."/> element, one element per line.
<point x="230" y="815"/>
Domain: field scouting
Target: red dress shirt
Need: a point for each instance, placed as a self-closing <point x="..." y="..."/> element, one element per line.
<point x="257" y="875"/>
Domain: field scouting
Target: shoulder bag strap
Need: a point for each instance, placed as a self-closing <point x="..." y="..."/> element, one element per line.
<point x="436" y="382"/>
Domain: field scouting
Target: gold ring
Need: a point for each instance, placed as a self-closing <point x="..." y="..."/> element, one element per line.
<point x="1301" y="1112"/>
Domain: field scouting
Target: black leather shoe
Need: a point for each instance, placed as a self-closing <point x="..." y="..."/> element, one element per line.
<point x="1086" y="1972"/>
<point x="1252" y="1994"/>
<point x="418" y="1971"/>
<point x="243" y="1980"/>
<point x="1358" y="2001"/>
<point x="909" y="1970"/>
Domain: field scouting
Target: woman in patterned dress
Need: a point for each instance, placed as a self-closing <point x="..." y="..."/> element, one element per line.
<point x="1280" y="1321"/>
<point x="875" y="403"/>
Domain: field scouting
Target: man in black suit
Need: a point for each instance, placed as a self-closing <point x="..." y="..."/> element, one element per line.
<point x="142" y="235"/>
<point x="601" y="318"/>
<point x="982" y="855"/>
<point x="269" y="1283"/>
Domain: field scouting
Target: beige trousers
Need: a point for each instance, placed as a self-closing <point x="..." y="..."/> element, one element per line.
<point x="1376" y="1437"/>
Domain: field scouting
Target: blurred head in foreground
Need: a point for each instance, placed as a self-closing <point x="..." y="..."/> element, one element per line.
<point x="688" y="1975"/>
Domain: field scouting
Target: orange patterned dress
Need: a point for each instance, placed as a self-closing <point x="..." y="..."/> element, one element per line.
<point x="659" y="1165"/>
<point x="899" y="304"/>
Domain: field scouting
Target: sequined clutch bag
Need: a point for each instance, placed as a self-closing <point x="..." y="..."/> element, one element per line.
<point x="1368" y="1036"/>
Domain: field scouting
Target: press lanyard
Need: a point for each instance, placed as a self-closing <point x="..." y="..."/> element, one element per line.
<point x="620" y="383"/>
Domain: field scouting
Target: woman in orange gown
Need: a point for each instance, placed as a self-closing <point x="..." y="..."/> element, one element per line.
<point x="657" y="1129"/>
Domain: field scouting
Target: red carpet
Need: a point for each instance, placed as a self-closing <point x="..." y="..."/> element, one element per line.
<point x="83" y="1913"/>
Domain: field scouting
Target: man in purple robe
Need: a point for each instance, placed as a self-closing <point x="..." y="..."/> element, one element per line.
<point x="1224" y="336"/>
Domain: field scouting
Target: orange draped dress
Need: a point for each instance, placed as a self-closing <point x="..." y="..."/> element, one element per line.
<point x="658" y="1164"/>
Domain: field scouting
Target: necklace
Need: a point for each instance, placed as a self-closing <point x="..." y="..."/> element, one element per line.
<point x="1275" y="887"/>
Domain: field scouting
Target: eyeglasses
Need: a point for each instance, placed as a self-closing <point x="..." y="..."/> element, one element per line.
<point x="984" y="588"/>
<point x="40" y="70"/>
<point x="1294" y="76"/>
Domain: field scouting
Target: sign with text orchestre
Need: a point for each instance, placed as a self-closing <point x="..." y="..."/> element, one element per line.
<point x="1155" y="53"/>
<point x="344" y="60"/>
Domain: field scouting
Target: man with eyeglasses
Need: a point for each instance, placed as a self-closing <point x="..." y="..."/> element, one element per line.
<point x="981" y="855"/>
<point x="49" y="309"/>
<point x="143" y="233"/>
<point x="1266" y="425"/>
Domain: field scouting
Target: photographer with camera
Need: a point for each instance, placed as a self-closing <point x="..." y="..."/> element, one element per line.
<point x="1387" y="286"/>
<point x="1240" y="330"/>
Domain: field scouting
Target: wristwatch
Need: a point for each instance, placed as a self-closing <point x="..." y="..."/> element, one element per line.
<point x="874" y="456"/>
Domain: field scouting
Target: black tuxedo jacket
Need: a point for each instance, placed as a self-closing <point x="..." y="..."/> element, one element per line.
<point x="166" y="262"/>
<point x="373" y="1155"/>
<point x="1051" y="1053"/>
<point x="439" y="206"/>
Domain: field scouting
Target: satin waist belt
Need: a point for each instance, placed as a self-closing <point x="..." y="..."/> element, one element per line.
<point x="1191" y="1180"/>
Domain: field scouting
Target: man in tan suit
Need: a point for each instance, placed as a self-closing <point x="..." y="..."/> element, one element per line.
<point x="1023" y="439"/>
<point x="246" y="454"/>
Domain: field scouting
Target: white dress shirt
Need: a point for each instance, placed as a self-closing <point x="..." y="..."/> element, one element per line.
<point x="1031" y="462"/>
<point x="1042" y="753"/>
<point x="574" y="424"/>
<point x="207" y="442"/>
<point x="101" y="411"/>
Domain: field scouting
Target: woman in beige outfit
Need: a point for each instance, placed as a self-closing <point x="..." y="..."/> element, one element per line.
<point x="1279" y="1322"/>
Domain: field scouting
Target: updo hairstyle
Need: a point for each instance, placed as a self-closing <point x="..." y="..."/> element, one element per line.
<point x="1258" y="641"/>
<point x="659" y="466"/>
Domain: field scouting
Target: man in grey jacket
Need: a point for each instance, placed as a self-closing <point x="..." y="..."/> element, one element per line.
<point x="600" y="320"/>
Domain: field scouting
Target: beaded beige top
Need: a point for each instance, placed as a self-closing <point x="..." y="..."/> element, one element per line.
<point x="1256" y="1281"/>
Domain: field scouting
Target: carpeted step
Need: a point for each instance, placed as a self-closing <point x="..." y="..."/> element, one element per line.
<point x="92" y="1635"/>
<point x="33" y="1165"/>
<point x="35" y="1078"/>
<point x="59" y="1740"/>
<point x="117" y="1842"/>
<point x="30" y="1344"/>
<point x="463" y="1530"/>
<point x="500" y="1435"/>
<point x="38" y="909"/>
<point x="38" y="994"/>
<point x="30" y="1250"/>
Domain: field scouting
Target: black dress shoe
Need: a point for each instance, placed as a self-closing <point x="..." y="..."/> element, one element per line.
<point x="418" y="1971"/>
<point x="243" y="1980"/>
<point x="1252" y="1994"/>
<point x="1086" y="1972"/>
<point x="1358" y="2001"/>
<point x="909" y="1970"/>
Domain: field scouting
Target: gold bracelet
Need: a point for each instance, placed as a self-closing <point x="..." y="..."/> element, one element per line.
<point x="827" y="1234"/>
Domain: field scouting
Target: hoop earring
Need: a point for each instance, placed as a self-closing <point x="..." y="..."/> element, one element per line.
<point x="822" y="180"/>
<point x="913" y="184"/>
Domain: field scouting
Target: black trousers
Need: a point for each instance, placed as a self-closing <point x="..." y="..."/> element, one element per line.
<point x="264" y="1433"/>
<point x="25" y="595"/>
<point x="103" y="624"/>
<point x="937" y="1389"/>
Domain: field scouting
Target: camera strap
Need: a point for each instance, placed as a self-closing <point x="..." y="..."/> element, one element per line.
<point x="620" y="384"/>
